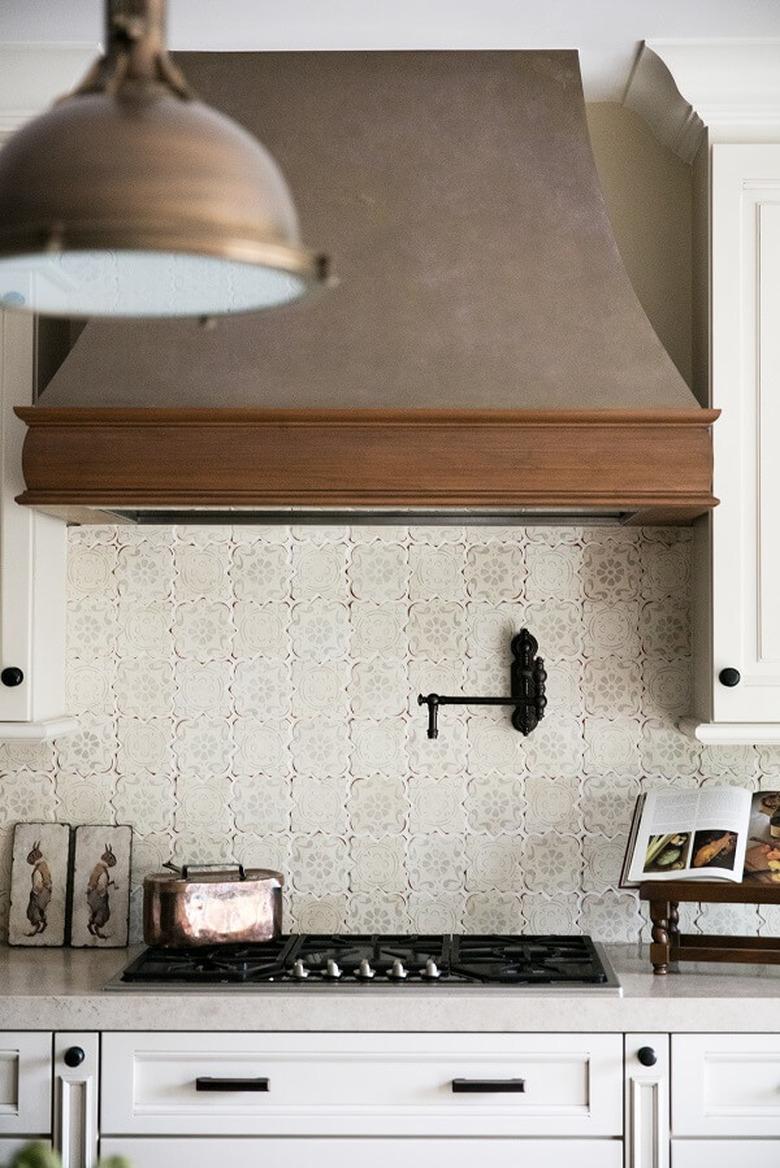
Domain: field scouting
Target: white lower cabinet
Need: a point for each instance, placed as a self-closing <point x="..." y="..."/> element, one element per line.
<point x="361" y="1153"/>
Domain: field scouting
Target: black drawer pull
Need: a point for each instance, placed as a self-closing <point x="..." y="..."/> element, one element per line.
<point x="488" y="1086"/>
<point x="208" y="1084"/>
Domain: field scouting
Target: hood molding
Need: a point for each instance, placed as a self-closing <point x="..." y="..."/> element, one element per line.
<point x="648" y="466"/>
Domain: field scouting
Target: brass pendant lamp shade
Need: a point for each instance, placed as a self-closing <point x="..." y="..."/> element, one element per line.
<point x="130" y="198"/>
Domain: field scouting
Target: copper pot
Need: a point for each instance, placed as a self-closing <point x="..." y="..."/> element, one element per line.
<point x="210" y="904"/>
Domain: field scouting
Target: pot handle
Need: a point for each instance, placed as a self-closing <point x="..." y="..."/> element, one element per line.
<point x="187" y="868"/>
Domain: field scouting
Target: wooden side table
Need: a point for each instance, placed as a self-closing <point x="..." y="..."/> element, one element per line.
<point x="670" y="945"/>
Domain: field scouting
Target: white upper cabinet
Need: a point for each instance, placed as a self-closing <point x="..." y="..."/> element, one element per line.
<point x="32" y="546"/>
<point x="718" y="105"/>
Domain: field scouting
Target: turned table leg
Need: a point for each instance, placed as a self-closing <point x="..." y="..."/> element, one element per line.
<point x="660" y="950"/>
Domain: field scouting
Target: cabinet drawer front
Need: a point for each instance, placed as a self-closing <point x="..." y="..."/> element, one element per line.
<point x="726" y="1085"/>
<point x="284" y="1153"/>
<point x="25" y="1083"/>
<point x="725" y="1153"/>
<point x="361" y="1084"/>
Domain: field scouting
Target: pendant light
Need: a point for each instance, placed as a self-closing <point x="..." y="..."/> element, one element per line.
<point x="130" y="198"/>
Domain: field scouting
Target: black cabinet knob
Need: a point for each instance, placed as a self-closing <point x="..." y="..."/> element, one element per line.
<point x="74" y="1056"/>
<point x="647" y="1056"/>
<point x="12" y="676"/>
<point x="729" y="677"/>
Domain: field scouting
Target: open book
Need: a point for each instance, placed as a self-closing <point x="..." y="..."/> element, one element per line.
<point x="714" y="833"/>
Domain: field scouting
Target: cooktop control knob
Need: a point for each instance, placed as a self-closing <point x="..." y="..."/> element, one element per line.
<point x="431" y="969"/>
<point x="397" y="971"/>
<point x="299" y="970"/>
<point x="332" y="969"/>
<point x="364" y="970"/>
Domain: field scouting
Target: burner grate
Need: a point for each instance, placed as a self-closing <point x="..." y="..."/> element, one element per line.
<point x="363" y="960"/>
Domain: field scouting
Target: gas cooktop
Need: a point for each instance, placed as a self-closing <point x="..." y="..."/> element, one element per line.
<point x="335" y="961"/>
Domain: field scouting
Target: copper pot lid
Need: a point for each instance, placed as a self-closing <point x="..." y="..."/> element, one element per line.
<point x="189" y="874"/>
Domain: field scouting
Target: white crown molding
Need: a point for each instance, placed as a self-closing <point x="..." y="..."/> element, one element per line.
<point x="728" y="89"/>
<point x="42" y="731"/>
<point x="33" y="75"/>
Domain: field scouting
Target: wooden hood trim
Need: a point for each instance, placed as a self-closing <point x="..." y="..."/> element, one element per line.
<point x="651" y="466"/>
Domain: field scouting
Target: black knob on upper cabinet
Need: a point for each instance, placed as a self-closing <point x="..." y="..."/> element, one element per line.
<point x="647" y="1056"/>
<point x="729" y="677"/>
<point x="74" y="1056"/>
<point x="12" y="676"/>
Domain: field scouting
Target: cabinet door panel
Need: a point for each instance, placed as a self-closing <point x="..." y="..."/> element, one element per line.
<point x="726" y="1085"/>
<point x="746" y="386"/>
<point x="25" y="1083"/>
<point x="271" y="1153"/>
<point x="361" y="1084"/>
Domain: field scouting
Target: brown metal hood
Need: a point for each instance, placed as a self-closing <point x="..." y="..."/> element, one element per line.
<point x="484" y="348"/>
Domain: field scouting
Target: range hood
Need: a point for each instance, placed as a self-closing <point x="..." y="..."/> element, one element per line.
<point x="484" y="349"/>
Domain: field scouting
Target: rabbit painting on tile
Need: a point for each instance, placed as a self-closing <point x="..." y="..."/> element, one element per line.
<point x="39" y="884"/>
<point x="101" y="886"/>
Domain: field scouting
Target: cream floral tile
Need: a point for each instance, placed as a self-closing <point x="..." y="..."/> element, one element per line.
<point x="493" y="862"/>
<point x="378" y="913"/>
<point x="319" y="630"/>
<point x="379" y="572"/>
<point x="141" y="630"/>
<point x="201" y="573"/>
<point x="494" y="912"/>
<point x="378" y="746"/>
<point x="319" y="804"/>
<point x="378" y="630"/>
<point x="612" y="686"/>
<point x="261" y="747"/>
<point x="436" y="914"/>
<point x="261" y="630"/>
<point x="320" y="863"/>
<point x="495" y="571"/>
<point x="611" y="916"/>
<point x="378" y="686"/>
<point x="437" y="630"/>
<point x="319" y="571"/>
<point x="320" y="689"/>
<point x="552" y="862"/>
<point x="262" y="804"/>
<point x="378" y="864"/>
<point x="552" y="804"/>
<point x="203" y="746"/>
<point x="88" y="685"/>
<point x="496" y="803"/>
<point x="262" y="688"/>
<point x="91" y="571"/>
<point x="436" y="573"/>
<point x="145" y="572"/>
<point x="261" y="572"/>
<point x="143" y="745"/>
<point x="144" y="687"/>
<point x="553" y="572"/>
<point x="202" y="688"/>
<point x="202" y="630"/>
<point x="437" y="804"/>
<point x="552" y="914"/>
<point x="378" y="805"/>
<point x="146" y="801"/>
<point x="320" y="747"/>
<point x="436" y="862"/>
<point x="319" y="914"/>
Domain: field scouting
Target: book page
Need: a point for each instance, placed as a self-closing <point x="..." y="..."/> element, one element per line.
<point x="688" y="835"/>
<point x="762" y="858"/>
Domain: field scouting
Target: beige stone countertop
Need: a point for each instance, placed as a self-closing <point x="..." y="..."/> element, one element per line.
<point x="62" y="989"/>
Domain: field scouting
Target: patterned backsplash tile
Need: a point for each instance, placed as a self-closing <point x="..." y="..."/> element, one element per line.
<point x="250" y="694"/>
